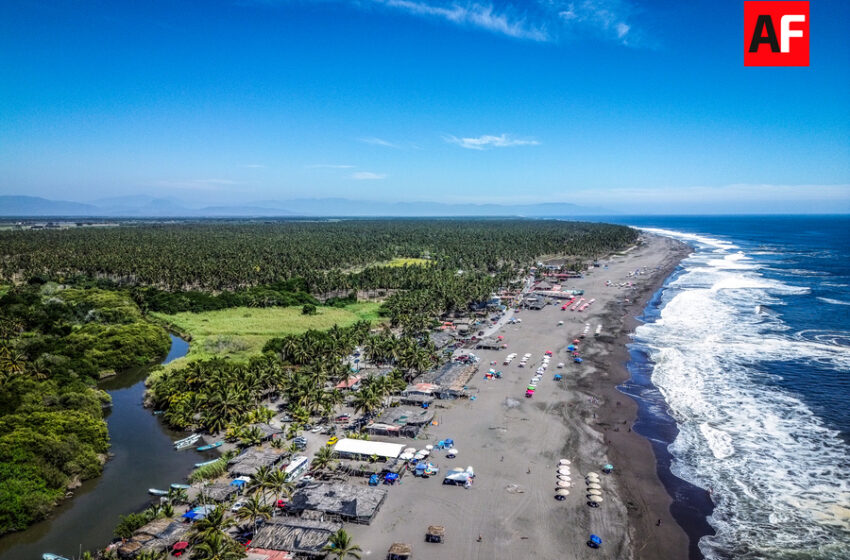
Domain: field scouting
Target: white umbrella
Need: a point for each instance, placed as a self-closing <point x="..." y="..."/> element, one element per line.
<point x="409" y="450"/>
<point x="452" y="452"/>
<point x="565" y="477"/>
<point x="592" y="474"/>
<point x="429" y="447"/>
<point x="594" y="486"/>
<point x="562" y="484"/>
<point x="564" y="462"/>
<point x="595" y="499"/>
<point x="562" y="492"/>
<point x="593" y="492"/>
<point x="564" y="470"/>
<point x="406" y="456"/>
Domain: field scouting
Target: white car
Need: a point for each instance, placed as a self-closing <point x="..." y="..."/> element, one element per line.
<point x="237" y="506"/>
<point x="560" y="365"/>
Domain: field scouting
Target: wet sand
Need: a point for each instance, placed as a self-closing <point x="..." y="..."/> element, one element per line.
<point x="515" y="443"/>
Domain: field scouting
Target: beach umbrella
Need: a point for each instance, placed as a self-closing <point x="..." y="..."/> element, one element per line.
<point x="562" y="484"/>
<point x="563" y="477"/>
<point x="594" y="486"/>
<point x="429" y="447"/>
<point x="564" y="462"/>
<point x="409" y="450"/>
<point x="452" y="452"/>
<point x="562" y="492"/>
<point x="592" y="475"/>
<point x="608" y="468"/>
<point x="564" y="470"/>
<point x="595" y="540"/>
<point x="595" y="499"/>
<point x="406" y="456"/>
<point x="593" y="492"/>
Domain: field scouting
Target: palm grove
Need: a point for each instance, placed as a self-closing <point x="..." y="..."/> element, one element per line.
<point x="74" y="304"/>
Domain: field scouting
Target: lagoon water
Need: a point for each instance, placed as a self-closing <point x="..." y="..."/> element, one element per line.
<point x="143" y="457"/>
<point x="745" y="407"/>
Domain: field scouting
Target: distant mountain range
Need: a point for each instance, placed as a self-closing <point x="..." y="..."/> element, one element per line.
<point x="150" y="207"/>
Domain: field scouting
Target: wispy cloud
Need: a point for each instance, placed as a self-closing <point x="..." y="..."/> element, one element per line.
<point x="488" y="141"/>
<point x="367" y="176"/>
<point x="608" y="18"/>
<point x="329" y="166"/>
<point x="483" y="16"/>
<point x="379" y="142"/>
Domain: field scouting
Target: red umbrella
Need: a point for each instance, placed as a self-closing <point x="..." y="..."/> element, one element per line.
<point x="180" y="545"/>
<point x="501" y="337"/>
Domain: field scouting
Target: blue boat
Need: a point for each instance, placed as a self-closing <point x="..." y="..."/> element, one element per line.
<point x="210" y="446"/>
<point x="205" y="463"/>
<point x="180" y="486"/>
<point x="157" y="492"/>
<point x="48" y="556"/>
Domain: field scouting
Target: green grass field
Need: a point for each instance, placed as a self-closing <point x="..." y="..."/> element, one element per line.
<point x="241" y="332"/>
<point x="409" y="261"/>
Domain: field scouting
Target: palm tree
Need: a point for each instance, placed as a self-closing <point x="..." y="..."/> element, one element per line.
<point x="323" y="459"/>
<point x="214" y="523"/>
<point x="340" y="546"/>
<point x="254" y="509"/>
<point x="260" y="480"/>
<point x="279" y="486"/>
<point x="218" y="546"/>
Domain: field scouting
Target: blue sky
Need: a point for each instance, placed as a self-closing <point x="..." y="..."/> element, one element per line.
<point x="631" y="106"/>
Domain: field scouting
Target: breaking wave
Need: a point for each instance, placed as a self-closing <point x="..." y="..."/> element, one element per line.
<point x="778" y="475"/>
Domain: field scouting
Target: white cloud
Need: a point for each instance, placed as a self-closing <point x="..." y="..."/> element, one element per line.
<point x="483" y="16"/>
<point x="606" y="17"/>
<point x="378" y="142"/>
<point x="367" y="176"/>
<point x="488" y="141"/>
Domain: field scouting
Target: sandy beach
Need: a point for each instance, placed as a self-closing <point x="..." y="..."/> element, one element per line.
<point x="515" y="443"/>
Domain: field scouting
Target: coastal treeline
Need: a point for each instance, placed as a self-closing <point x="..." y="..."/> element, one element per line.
<point x="328" y="256"/>
<point x="54" y="345"/>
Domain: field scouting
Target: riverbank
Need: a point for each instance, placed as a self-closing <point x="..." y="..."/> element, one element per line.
<point x="141" y="457"/>
<point x="515" y="443"/>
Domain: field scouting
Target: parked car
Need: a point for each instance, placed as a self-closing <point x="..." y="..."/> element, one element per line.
<point x="343" y="418"/>
<point x="333" y="441"/>
<point x="237" y="506"/>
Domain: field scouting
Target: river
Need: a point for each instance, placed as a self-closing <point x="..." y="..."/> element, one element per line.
<point x="142" y="457"/>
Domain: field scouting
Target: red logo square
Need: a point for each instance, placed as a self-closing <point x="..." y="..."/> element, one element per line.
<point x="776" y="33"/>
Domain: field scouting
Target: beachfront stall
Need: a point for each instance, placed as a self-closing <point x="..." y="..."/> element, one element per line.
<point x="355" y="504"/>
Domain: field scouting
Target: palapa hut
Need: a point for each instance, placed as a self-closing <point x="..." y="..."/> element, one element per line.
<point x="399" y="551"/>
<point x="304" y="537"/>
<point x="401" y="422"/>
<point x="435" y="534"/>
<point x="357" y="504"/>
<point x="218" y="492"/>
<point x="269" y="431"/>
<point x="250" y="462"/>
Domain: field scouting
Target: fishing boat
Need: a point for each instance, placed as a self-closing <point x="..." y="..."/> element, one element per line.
<point x="180" y="486"/>
<point x="205" y="463"/>
<point x="210" y="446"/>
<point x="157" y="492"/>
<point x="187" y="442"/>
<point x="48" y="556"/>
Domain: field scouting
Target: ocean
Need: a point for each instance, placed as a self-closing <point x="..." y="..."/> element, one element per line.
<point x="741" y="370"/>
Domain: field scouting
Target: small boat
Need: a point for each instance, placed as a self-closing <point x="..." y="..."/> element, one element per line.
<point x="187" y="442"/>
<point x="158" y="412"/>
<point x="48" y="556"/>
<point x="205" y="463"/>
<point x="180" y="486"/>
<point x="157" y="492"/>
<point x="210" y="446"/>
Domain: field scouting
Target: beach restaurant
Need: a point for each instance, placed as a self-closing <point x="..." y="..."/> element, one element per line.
<point x="348" y="448"/>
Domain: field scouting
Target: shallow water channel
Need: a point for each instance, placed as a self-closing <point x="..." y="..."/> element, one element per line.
<point x="142" y="457"/>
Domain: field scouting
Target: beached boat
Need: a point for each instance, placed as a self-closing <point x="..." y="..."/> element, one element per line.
<point x="187" y="442"/>
<point x="205" y="463"/>
<point x="210" y="446"/>
<point x="180" y="486"/>
<point x="48" y="556"/>
<point x="157" y="492"/>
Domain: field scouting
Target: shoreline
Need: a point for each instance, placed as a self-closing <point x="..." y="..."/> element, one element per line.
<point x="640" y="482"/>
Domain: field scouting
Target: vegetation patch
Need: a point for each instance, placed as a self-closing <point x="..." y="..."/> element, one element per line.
<point x="240" y="332"/>
<point x="408" y="261"/>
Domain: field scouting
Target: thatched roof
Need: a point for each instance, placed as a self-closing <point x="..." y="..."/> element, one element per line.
<point x="250" y="462"/>
<point x="437" y="530"/>
<point x="154" y="527"/>
<point x="303" y="536"/>
<point x="219" y="492"/>
<point x="268" y="430"/>
<point x="354" y="503"/>
<point x="400" y="548"/>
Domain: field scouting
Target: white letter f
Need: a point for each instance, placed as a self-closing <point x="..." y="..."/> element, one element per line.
<point x="787" y="32"/>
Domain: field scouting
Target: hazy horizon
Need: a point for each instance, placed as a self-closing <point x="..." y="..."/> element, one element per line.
<point x="630" y="107"/>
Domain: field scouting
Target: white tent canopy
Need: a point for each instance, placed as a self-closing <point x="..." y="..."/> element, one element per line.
<point x="364" y="447"/>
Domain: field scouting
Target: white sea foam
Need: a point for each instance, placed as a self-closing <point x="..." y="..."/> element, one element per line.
<point x="779" y="478"/>
<point x="833" y="301"/>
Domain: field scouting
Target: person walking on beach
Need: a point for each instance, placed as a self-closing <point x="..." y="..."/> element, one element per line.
<point x="658" y="523"/>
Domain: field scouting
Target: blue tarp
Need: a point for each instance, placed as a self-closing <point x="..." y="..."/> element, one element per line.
<point x="237" y="483"/>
